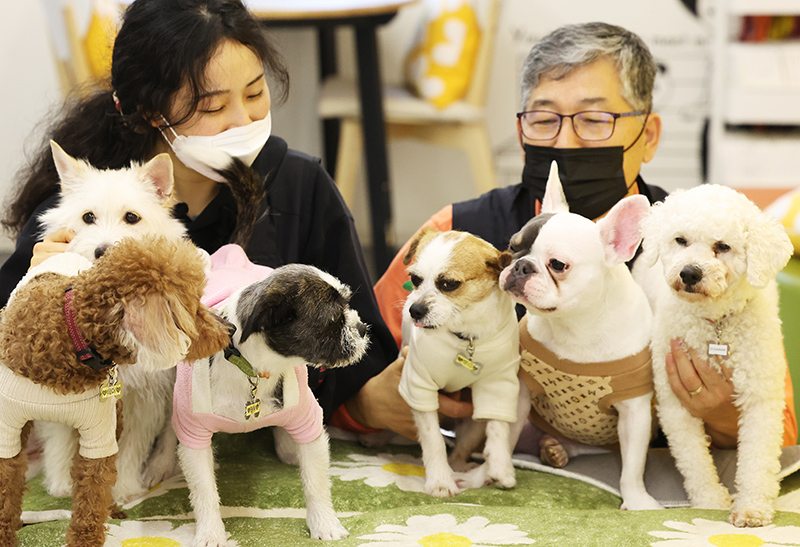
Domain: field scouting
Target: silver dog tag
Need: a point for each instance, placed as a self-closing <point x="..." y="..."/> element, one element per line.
<point x="721" y="350"/>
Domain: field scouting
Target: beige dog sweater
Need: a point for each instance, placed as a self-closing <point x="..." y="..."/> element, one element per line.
<point x="574" y="400"/>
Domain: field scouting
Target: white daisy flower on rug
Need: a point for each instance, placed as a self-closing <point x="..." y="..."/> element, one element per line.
<point x="382" y="470"/>
<point x="444" y="531"/>
<point x="702" y="533"/>
<point x="153" y="533"/>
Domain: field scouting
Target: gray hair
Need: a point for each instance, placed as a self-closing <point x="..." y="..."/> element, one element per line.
<point x="572" y="46"/>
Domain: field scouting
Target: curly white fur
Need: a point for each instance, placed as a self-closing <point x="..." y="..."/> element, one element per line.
<point x="719" y="254"/>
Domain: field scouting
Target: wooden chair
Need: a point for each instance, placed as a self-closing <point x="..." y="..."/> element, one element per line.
<point x="461" y="124"/>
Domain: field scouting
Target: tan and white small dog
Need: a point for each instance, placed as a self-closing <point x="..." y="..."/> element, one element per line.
<point x="103" y="206"/>
<point x="720" y="255"/>
<point x="461" y="330"/>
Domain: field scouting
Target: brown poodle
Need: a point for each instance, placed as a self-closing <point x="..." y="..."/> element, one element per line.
<point x="59" y="348"/>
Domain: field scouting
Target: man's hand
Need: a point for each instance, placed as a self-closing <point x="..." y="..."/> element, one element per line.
<point x="705" y="392"/>
<point x="53" y="243"/>
<point x="379" y="404"/>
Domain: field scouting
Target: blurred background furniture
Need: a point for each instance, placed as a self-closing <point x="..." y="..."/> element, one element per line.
<point x="82" y="41"/>
<point x="461" y="124"/>
<point x="365" y="16"/>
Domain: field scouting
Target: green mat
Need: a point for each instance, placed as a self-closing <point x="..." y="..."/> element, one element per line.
<point x="377" y="493"/>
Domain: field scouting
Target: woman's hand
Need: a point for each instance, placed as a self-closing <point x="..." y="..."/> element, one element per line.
<point x="705" y="392"/>
<point x="379" y="404"/>
<point x="53" y="243"/>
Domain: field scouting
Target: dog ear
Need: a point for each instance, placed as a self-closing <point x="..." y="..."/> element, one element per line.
<point x="767" y="248"/>
<point x="554" y="200"/>
<point x="500" y="262"/>
<point x="69" y="169"/>
<point x="213" y="334"/>
<point x="158" y="171"/>
<point x="652" y="226"/>
<point x="272" y="310"/>
<point x="621" y="228"/>
<point x="153" y="323"/>
<point x="424" y="235"/>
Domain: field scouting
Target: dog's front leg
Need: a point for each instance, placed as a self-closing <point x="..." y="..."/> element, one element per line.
<point x="758" y="462"/>
<point x="498" y="454"/>
<point x="689" y="447"/>
<point x="198" y="469"/>
<point x="314" y="461"/>
<point x="634" y="430"/>
<point x="439" y="480"/>
<point x="92" y="479"/>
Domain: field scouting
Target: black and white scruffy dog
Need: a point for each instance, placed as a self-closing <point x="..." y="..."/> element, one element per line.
<point x="285" y="319"/>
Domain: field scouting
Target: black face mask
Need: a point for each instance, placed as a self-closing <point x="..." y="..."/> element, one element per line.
<point x="592" y="178"/>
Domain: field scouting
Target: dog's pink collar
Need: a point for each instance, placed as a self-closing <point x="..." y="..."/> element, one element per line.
<point x="85" y="353"/>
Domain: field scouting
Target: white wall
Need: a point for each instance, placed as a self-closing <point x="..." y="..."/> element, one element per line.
<point x="423" y="178"/>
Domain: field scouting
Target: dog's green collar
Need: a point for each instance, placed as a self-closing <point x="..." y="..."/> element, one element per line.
<point x="234" y="356"/>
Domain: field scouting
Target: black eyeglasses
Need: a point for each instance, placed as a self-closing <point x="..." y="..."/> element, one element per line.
<point x="589" y="125"/>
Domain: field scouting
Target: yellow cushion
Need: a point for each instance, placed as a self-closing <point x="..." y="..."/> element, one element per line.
<point x="99" y="40"/>
<point x="439" y="67"/>
<point x="787" y="209"/>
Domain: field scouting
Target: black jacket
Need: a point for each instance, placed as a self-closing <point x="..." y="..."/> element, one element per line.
<point x="307" y="222"/>
<point x="500" y="213"/>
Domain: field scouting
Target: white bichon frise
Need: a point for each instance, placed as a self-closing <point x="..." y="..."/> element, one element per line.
<point x="720" y="255"/>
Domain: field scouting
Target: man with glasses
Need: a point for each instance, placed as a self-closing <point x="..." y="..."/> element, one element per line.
<point x="587" y="104"/>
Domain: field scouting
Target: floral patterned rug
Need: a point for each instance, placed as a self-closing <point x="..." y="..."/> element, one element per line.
<point x="378" y="496"/>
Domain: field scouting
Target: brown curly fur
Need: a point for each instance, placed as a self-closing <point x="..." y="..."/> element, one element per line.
<point x="149" y="287"/>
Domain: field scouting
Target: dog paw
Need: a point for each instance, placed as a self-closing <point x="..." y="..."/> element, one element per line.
<point x="640" y="502"/>
<point x="441" y="489"/>
<point x="503" y="474"/>
<point x="58" y="488"/>
<point x="552" y="452"/>
<point x="717" y="498"/>
<point x="159" y="468"/>
<point x="127" y="489"/>
<point x="210" y="539"/>
<point x="751" y="515"/>
<point x="330" y="531"/>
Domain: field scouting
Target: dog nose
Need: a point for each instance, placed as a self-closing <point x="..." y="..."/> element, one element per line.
<point x="418" y="310"/>
<point x="523" y="268"/>
<point x="362" y="330"/>
<point x="691" y="275"/>
<point x="100" y="251"/>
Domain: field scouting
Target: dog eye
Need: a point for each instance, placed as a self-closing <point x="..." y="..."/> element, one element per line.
<point x="448" y="285"/>
<point x="721" y="247"/>
<point x="681" y="241"/>
<point x="89" y="218"/>
<point x="557" y="265"/>
<point x="416" y="280"/>
<point x="132" y="218"/>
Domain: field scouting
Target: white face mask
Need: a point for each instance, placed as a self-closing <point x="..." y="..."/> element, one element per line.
<point x="202" y="153"/>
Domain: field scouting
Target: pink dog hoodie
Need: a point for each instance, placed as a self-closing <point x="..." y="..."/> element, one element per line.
<point x="192" y="419"/>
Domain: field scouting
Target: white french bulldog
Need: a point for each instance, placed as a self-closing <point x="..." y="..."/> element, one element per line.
<point x="585" y="367"/>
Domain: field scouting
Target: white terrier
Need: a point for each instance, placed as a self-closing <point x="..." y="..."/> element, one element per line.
<point x="102" y="207"/>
